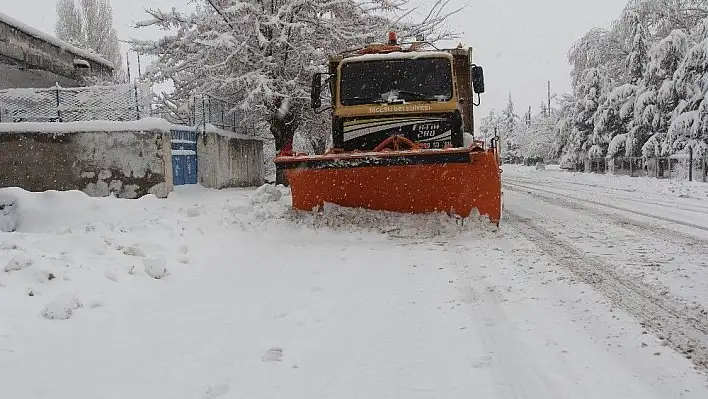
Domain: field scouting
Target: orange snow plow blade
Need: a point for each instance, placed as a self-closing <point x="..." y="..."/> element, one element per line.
<point x="454" y="181"/>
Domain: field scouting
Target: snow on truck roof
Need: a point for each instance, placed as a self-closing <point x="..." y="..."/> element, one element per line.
<point x="8" y="20"/>
<point x="398" y="56"/>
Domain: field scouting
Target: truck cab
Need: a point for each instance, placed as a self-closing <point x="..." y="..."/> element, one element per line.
<point x="384" y="90"/>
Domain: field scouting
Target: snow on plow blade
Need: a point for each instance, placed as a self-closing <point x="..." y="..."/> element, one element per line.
<point x="416" y="181"/>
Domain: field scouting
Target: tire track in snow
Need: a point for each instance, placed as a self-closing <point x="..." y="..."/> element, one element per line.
<point x="519" y="374"/>
<point x="577" y="204"/>
<point x="683" y="329"/>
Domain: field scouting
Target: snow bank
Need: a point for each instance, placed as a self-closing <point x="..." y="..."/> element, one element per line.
<point x="647" y="185"/>
<point x="51" y="210"/>
<point x="9" y="218"/>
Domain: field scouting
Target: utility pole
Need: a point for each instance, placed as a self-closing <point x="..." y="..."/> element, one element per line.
<point x="528" y="117"/>
<point x="138" y="67"/>
<point x="127" y="61"/>
<point x="549" y="98"/>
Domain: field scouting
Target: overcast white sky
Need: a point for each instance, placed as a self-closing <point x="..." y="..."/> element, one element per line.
<point x="522" y="44"/>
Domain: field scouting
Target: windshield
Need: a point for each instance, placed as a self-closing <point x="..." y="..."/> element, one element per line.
<point x="384" y="81"/>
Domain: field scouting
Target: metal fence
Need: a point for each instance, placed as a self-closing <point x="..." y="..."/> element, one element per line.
<point x="220" y="113"/>
<point x="126" y="102"/>
<point x="204" y="109"/>
<point x="684" y="167"/>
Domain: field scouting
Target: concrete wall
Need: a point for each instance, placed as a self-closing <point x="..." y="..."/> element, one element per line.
<point x="28" y="49"/>
<point x="15" y="77"/>
<point x="128" y="164"/>
<point x="229" y="160"/>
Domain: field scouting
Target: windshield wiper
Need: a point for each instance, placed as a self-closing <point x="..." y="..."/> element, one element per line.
<point x="415" y="94"/>
<point x="363" y="100"/>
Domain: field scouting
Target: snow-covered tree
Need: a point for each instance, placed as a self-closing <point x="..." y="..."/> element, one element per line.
<point x="613" y="118"/>
<point x="590" y="94"/>
<point x="657" y="97"/>
<point x="69" y="26"/>
<point x="689" y="126"/>
<point x="640" y="85"/>
<point x="664" y="16"/>
<point x="489" y="125"/>
<point x="89" y="25"/>
<point x="599" y="48"/>
<point x="535" y="140"/>
<point x="509" y="119"/>
<point x="509" y="128"/>
<point x="637" y="47"/>
<point x="563" y="123"/>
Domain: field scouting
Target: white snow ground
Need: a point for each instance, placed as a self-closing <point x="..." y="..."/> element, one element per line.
<point x="229" y="294"/>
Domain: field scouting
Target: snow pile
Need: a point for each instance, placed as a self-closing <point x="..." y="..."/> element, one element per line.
<point x="392" y="224"/>
<point x="155" y="267"/>
<point x="266" y="193"/>
<point x="216" y="391"/>
<point x="273" y="355"/>
<point x="269" y="210"/>
<point x="62" y="307"/>
<point x="17" y="263"/>
<point x="9" y="218"/>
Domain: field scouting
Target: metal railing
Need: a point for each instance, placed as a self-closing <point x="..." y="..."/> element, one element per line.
<point x="683" y="167"/>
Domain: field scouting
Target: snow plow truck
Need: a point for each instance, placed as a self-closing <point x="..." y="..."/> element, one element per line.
<point x="402" y="135"/>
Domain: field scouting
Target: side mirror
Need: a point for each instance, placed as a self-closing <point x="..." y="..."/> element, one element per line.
<point x="316" y="91"/>
<point x="478" y="79"/>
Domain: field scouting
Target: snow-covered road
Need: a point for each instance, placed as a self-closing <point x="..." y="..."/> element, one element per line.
<point x="570" y="299"/>
<point x="646" y="252"/>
